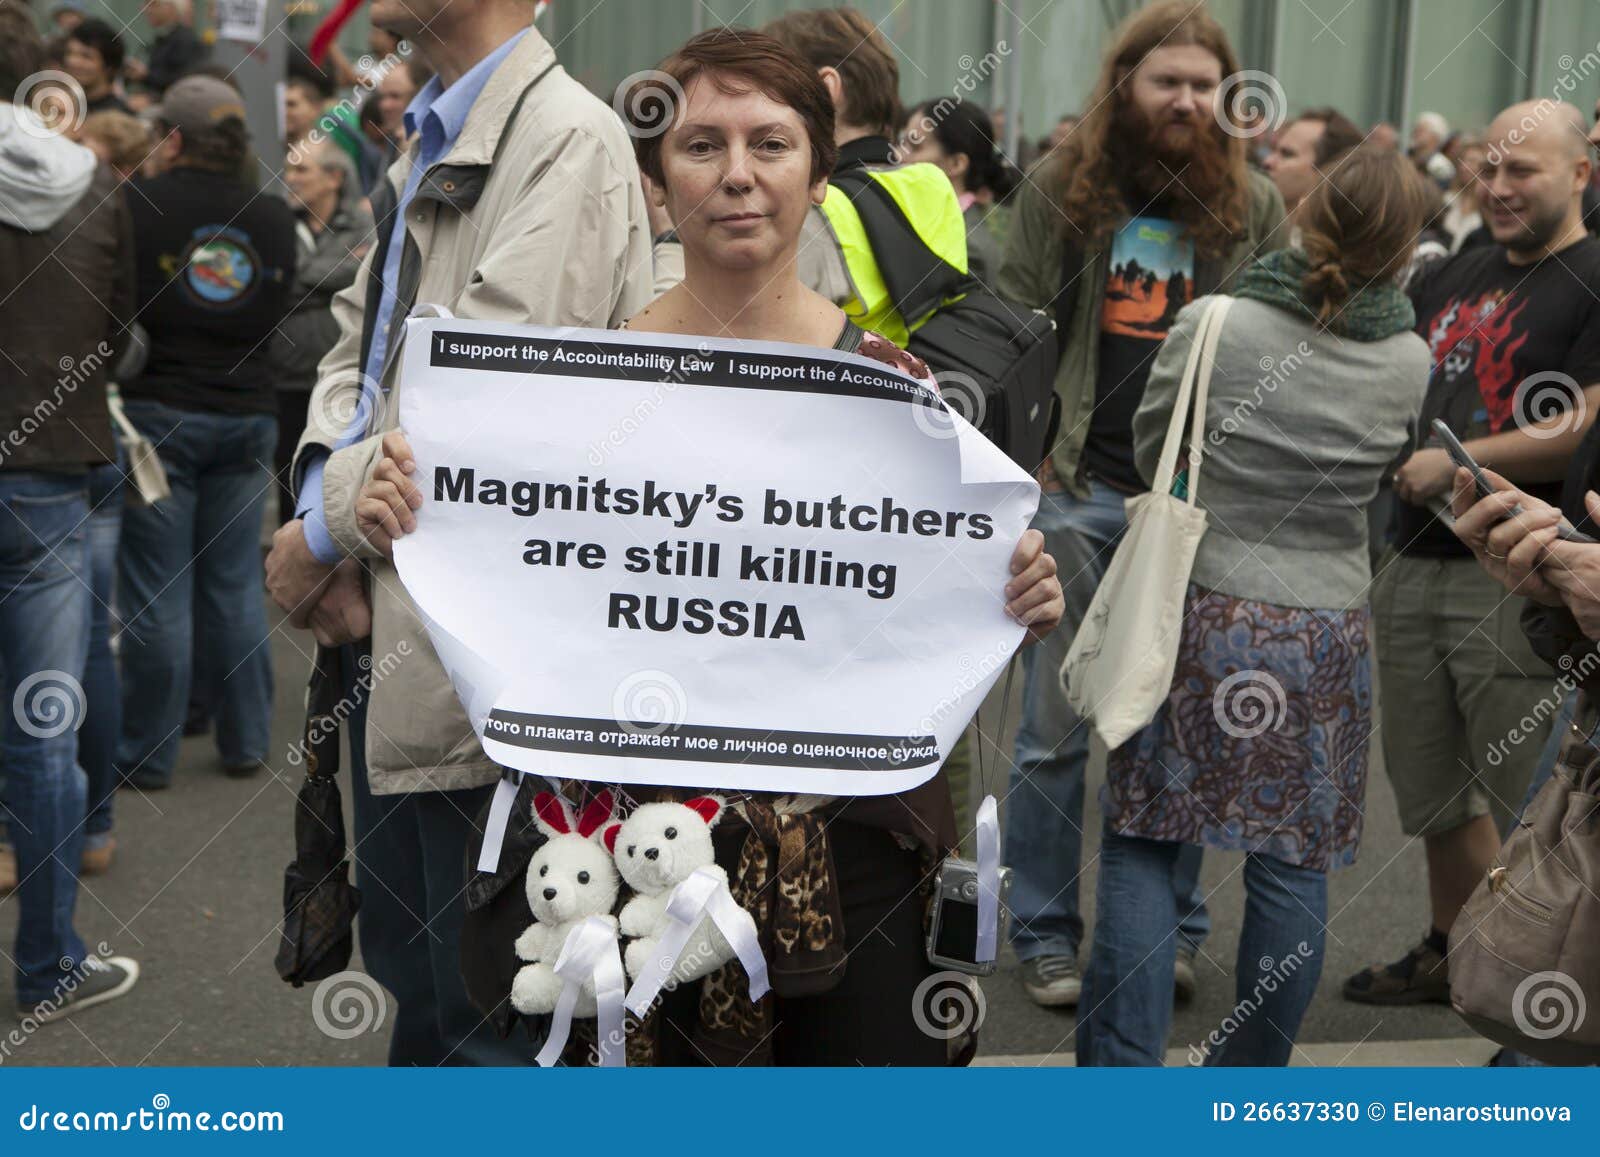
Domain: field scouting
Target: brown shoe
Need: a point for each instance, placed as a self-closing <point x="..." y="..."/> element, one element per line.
<point x="8" y="871"/>
<point x="97" y="861"/>
<point x="1418" y="977"/>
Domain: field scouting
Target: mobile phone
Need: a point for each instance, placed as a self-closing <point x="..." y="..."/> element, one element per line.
<point x="1458" y="455"/>
<point x="953" y="931"/>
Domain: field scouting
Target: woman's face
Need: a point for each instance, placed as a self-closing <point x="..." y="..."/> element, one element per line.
<point x="738" y="176"/>
<point x="919" y="143"/>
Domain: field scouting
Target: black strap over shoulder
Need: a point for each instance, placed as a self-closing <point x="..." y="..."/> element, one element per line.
<point x="917" y="278"/>
<point x="1067" y="297"/>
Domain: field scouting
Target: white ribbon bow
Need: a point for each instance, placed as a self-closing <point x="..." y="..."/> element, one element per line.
<point x="590" y="951"/>
<point x="702" y="894"/>
<point x="988" y="878"/>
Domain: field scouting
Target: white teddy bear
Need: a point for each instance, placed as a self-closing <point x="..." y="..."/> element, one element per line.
<point x="657" y="848"/>
<point x="570" y="878"/>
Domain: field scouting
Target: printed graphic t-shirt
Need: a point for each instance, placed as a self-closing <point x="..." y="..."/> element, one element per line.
<point x="1510" y="345"/>
<point x="1150" y="279"/>
<point x="215" y="270"/>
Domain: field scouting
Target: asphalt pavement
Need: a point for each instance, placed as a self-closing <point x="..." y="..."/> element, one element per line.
<point x="195" y="896"/>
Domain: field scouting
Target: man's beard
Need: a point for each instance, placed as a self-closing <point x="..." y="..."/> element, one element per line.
<point x="1190" y="172"/>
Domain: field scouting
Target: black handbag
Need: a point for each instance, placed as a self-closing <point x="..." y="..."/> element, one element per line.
<point x="319" y="901"/>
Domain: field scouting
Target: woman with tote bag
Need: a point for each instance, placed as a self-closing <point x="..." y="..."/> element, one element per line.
<point x="1260" y="745"/>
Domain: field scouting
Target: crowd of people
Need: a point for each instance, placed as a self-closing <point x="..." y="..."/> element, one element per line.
<point x="178" y="293"/>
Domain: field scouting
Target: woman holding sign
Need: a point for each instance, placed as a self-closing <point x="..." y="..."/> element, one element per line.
<point x="839" y="885"/>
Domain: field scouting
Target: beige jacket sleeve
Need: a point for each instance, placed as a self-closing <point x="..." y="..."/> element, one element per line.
<point x="572" y="248"/>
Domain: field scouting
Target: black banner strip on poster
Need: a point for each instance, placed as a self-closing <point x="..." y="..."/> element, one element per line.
<point x="506" y="353"/>
<point x="819" y="750"/>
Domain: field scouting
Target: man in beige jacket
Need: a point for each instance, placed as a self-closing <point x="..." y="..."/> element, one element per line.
<point x="518" y="200"/>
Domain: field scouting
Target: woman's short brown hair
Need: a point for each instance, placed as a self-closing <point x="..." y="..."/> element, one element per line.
<point x="1359" y="226"/>
<point x="847" y="41"/>
<point x="735" y="60"/>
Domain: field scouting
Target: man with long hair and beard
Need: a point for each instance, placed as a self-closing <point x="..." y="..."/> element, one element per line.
<point x="1150" y="198"/>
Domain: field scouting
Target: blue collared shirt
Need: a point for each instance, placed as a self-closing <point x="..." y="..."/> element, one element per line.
<point x="436" y="115"/>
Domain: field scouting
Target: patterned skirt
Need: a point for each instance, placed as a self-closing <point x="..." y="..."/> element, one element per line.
<point x="1261" y="745"/>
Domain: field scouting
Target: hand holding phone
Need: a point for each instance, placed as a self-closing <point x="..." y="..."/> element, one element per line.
<point x="1458" y="454"/>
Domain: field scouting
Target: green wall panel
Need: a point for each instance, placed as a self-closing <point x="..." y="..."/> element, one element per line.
<point x="1330" y="52"/>
<point x="1469" y="57"/>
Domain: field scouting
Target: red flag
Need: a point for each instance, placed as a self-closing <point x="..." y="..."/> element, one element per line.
<point x="328" y="30"/>
<point x="322" y="39"/>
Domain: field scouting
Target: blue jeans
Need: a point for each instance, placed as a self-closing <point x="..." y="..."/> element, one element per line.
<point x="1126" y="1008"/>
<point x="410" y="854"/>
<point x="1044" y="811"/>
<point x="1546" y="767"/>
<point x="44" y="642"/>
<point x="194" y="560"/>
<point x="102" y="691"/>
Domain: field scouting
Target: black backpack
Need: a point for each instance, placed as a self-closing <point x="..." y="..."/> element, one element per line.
<point x="994" y="360"/>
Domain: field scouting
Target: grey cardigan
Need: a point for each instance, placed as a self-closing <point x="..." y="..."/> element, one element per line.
<point x="1300" y="426"/>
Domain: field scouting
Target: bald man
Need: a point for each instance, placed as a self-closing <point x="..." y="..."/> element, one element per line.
<point x="1514" y="329"/>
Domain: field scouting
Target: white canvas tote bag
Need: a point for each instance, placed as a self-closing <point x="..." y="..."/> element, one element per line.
<point x="1119" y="669"/>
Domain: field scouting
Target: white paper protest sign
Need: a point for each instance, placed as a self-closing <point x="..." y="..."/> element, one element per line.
<point x="704" y="563"/>
<point x="242" y="20"/>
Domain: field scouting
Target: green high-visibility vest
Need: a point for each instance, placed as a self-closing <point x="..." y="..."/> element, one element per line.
<point x="929" y="202"/>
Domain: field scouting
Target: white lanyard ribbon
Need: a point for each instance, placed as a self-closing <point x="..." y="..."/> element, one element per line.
<point x="988" y="878"/>
<point x="590" y="951"/>
<point x="494" y="830"/>
<point x="702" y="894"/>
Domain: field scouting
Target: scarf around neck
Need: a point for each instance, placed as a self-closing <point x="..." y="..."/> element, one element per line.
<point x="1371" y="313"/>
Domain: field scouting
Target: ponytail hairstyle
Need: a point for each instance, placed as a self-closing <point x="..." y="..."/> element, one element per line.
<point x="1358" y="227"/>
<point x="964" y="128"/>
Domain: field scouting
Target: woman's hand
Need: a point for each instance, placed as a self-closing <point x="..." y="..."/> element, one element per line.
<point x="1033" y="596"/>
<point x="1573" y="568"/>
<point x="1508" y="547"/>
<point x="1426" y="474"/>
<point x="387" y="505"/>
